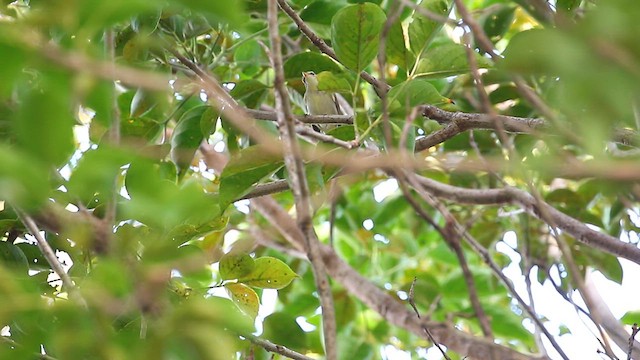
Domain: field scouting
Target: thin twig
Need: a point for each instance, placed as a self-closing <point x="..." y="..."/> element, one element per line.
<point x="275" y="348"/>
<point x="51" y="257"/>
<point x="322" y="46"/>
<point x="114" y="134"/>
<point x="485" y="256"/>
<point x="309" y="132"/>
<point x="295" y="168"/>
<point x="426" y="330"/>
<point x="307" y="119"/>
<point x="634" y="332"/>
<point x="452" y="240"/>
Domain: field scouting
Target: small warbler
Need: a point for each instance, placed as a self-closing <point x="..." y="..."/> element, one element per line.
<point x="318" y="102"/>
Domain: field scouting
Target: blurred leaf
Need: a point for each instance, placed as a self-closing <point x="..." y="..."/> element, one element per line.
<point x="631" y="317"/>
<point x="354" y="34"/>
<point x="498" y="21"/>
<point x="44" y="122"/>
<point x="23" y="182"/>
<point x="231" y="13"/>
<point x="507" y="324"/>
<point x="281" y="328"/>
<point x="12" y="257"/>
<point x="308" y="61"/>
<point x="187" y="135"/>
<point x="244" y="169"/>
<point x="447" y="60"/>
<point x="96" y="173"/>
<point x="11" y="64"/>
<point x="250" y="92"/>
<point x="421" y="29"/>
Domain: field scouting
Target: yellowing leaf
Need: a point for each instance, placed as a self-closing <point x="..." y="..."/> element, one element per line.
<point x="245" y="298"/>
<point x="234" y="266"/>
<point x="269" y="273"/>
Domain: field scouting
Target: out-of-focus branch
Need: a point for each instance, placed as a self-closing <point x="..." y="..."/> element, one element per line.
<point x="295" y="168"/>
<point x="307" y="119"/>
<point x="52" y="259"/>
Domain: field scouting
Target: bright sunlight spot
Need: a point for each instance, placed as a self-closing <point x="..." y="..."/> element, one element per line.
<point x="384" y="189"/>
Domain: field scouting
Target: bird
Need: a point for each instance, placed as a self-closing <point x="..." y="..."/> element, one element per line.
<point x="318" y="102"/>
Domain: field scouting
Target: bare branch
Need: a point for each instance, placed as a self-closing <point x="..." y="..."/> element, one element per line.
<point x="275" y="348"/>
<point x="295" y="168"/>
<point x="527" y="202"/>
<point x="51" y="257"/>
<point x="307" y="119"/>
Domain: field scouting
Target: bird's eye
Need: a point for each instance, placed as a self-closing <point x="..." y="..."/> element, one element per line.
<point x="311" y="73"/>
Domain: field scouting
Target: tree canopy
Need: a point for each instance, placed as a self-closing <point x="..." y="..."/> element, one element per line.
<point x="160" y="182"/>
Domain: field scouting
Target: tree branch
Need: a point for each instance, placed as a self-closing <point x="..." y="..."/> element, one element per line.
<point x="295" y="168"/>
<point x="388" y="307"/>
<point x="307" y="119"/>
<point x="527" y="202"/>
<point x="275" y="348"/>
<point x="51" y="257"/>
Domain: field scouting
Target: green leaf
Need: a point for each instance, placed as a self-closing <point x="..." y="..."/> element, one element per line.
<point x="505" y="323"/>
<point x="44" y="122"/>
<point x="184" y="212"/>
<point x="497" y="22"/>
<point x="245" y="298"/>
<point x="396" y="47"/>
<point x="631" y="317"/>
<point x="269" y="273"/>
<point x="96" y="173"/>
<point x="411" y="93"/>
<point x="331" y="82"/>
<point x="244" y="169"/>
<point x="447" y="60"/>
<point x="568" y="5"/>
<point x="12" y="257"/>
<point x="235" y="266"/>
<point x="230" y="12"/>
<point x="251" y="92"/>
<point x="23" y="182"/>
<point x="141" y="103"/>
<point x="308" y="61"/>
<point x="422" y="30"/>
<point x="12" y="62"/>
<point x="281" y="328"/>
<point x="355" y="34"/>
<point x="188" y="135"/>
<point x="321" y="12"/>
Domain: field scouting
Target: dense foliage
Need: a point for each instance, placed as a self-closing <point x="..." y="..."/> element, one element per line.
<point x="132" y="158"/>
